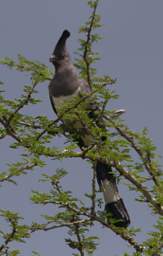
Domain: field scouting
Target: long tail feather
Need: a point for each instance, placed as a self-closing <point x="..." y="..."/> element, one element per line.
<point x="114" y="205"/>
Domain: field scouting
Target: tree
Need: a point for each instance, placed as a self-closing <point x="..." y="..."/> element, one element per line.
<point x="132" y="154"/>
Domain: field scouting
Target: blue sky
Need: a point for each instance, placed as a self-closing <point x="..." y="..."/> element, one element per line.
<point x="131" y="51"/>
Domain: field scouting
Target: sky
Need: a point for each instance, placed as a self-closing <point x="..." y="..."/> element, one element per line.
<point x="131" y="51"/>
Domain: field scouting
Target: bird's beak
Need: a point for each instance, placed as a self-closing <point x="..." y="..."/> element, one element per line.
<point x="52" y="58"/>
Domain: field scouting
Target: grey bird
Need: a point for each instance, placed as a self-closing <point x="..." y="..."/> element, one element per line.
<point x="62" y="88"/>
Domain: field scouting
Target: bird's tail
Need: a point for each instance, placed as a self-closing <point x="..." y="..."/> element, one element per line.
<point x="114" y="205"/>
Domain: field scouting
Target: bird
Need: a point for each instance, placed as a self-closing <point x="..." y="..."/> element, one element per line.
<point x="64" y="87"/>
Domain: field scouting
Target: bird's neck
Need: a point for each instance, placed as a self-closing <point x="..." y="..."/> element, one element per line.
<point x="62" y="64"/>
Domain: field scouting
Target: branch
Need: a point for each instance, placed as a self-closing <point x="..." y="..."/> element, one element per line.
<point x="46" y="227"/>
<point x="22" y="170"/>
<point x="123" y="233"/>
<point x="139" y="152"/>
<point x="140" y="187"/>
<point x="23" y="103"/>
<point x="93" y="192"/>
<point x="9" y="130"/>
<point x="2" y="136"/>
<point x="9" y="238"/>
<point x="77" y="232"/>
<point x="88" y="41"/>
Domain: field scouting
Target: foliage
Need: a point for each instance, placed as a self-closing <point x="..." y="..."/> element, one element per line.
<point x="34" y="134"/>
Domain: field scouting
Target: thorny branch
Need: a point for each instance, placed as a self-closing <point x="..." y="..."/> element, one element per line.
<point x="140" y="187"/>
<point x="120" y="232"/>
<point x="93" y="210"/>
<point x="9" y="130"/>
<point x="77" y="232"/>
<point x="6" y="122"/>
<point x="9" y="238"/>
<point x="23" y="103"/>
<point x="148" y="166"/>
<point x="21" y="170"/>
<point x="48" y="226"/>
<point x="87" y="44"/>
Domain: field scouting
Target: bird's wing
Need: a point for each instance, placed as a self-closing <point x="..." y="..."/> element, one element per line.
<point x="52" y="103"/>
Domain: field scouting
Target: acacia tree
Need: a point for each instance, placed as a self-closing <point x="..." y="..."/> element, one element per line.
<point x="132" y="155"/>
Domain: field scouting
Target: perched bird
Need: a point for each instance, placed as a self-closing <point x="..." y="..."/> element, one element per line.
<point x="64" y="86"/>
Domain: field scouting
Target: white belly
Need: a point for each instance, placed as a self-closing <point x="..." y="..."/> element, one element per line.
<point x="59" y="101"/>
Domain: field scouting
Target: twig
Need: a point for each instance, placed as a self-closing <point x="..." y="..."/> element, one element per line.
<point x="77" y="232"/>
<point x="46" y="227"/>
<point x="9" y="238"/>
<point x="139" y="152"/>
<point x="93" y="192"/>
<point x="3" y="136"/>
<point x="9" y="129"/>
<point x="140" y="187"/>
<point x="22" y="104"/>
<point x="87" y="44"/>
<point x="33" y="125"/>
<point x="22" y="170"/>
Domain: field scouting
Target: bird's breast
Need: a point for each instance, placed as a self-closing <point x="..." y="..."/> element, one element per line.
<point x="60" y="100"/>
